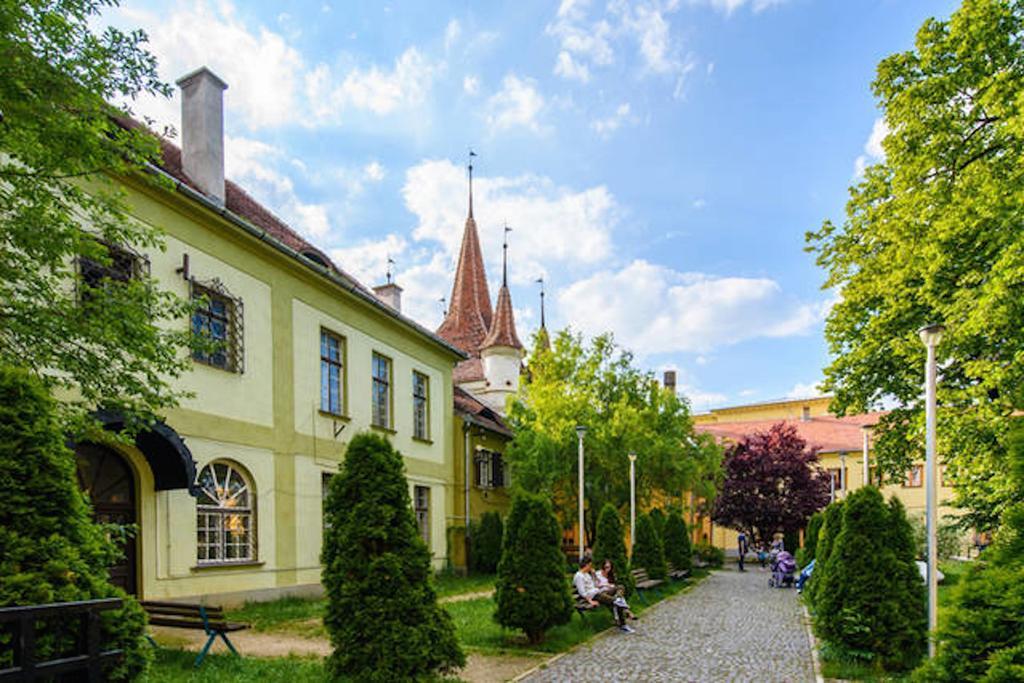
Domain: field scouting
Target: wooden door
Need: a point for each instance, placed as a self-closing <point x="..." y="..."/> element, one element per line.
<point x="110" y="484"/>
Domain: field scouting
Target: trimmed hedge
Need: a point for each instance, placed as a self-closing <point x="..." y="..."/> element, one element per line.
<point x="382" y="613"/>
<point x="485" y="548"/>
<point x="648" y="552"/>
<point x="831" y="525"/>
<point x="678" y="550"/>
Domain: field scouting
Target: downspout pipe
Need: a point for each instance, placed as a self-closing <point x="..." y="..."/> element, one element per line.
<point x="466" y="428"/>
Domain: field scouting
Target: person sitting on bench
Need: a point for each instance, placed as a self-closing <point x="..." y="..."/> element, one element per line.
<point x="606" y="582"/>
<point x="586" y="586"/>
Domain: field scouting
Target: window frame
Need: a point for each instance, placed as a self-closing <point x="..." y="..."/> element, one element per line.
<point x="234" y="340"/>
<point x="908" y="480"/>
<point x="425" y="399"/>
<point x="389" y="387"/>
<point x="222" y="512"/>
<point x="342" y="365"/>
<point x="86" y="265"/>
<point x="423" y="524"/>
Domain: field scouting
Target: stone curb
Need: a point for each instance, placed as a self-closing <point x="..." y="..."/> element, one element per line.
<point x="814" y="645"/>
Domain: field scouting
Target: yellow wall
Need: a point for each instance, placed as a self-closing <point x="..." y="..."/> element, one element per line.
<point x="266" y="419"/>
<point x="776" y="410"/>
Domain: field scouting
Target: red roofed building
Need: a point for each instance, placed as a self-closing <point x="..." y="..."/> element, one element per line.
<point x="843" y="444"/>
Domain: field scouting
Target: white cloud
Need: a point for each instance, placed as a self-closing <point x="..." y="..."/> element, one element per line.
<point x="608" y="125"/>
<point x="567" y="67"/>
<point x="381" y="91"/>
<point x="730" y="6"/>
<point x="517" y="105"/>
<point x="699" y="203"/>
<point x="254" y="165"/>
<point x="654" y="309"/>
<point x="368" y="261"/>
<point x="702" y="401"/>
<point x="269" y="82"/>
<point x="873" y="149"/>
<point x="471" y="85"/>
<point x="452" y="33"/>
<point x="804" y="390"/>
<point x="374" y="171"/>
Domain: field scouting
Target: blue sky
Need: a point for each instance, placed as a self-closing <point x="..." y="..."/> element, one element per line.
<point x="659" y="161"/>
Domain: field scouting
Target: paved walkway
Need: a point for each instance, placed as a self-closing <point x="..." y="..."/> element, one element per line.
<point x="732" y="627"/>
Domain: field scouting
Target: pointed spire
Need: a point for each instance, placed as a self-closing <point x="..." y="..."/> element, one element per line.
<point x="469" y="314"/>
<point x="542" y="334"/>
<point x="503" y="331"/>
<point x="540" y="281"/>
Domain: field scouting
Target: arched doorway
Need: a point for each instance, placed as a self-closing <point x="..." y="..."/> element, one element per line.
<point x="108" y="480"/>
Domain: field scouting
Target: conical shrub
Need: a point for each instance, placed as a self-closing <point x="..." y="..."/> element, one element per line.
<point x="677" y="542"/>
<point x="50" y="548"/>
<point x="648" y="552"/>
<point x="532" y="591"/>
<point x="831" y="525"/>
<point x="382" y="613"/>
<point x="486" y="550"/>
<point x="611" y="545"/>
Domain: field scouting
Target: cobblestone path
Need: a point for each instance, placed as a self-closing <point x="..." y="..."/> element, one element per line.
<point x="732" y="627"/>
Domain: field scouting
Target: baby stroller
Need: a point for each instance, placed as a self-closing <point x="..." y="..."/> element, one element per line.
<point x="783" y="569"/>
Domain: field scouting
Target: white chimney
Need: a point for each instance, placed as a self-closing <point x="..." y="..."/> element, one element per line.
<point x="202" y="131"/>
<point x="391" y="294"/>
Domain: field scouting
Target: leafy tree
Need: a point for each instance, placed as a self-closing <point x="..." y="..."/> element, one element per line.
<point x="870" y="602"/>
<point x="532" y="591"/>
<point x="624" y="409"/>
<point x="772" y="483"/>
<point x="932" y="234"/>
<point x="982" y="637"/>
<point x="648" y="553"/>
<point x="677" y="542"/>
<point x="382" y="613"/>
<point x="486" y="551"/>
<point x="811" y="534"/>
<point x="65" y="154"/>
<point x="611" y="545"/>
<point x="50" y="548"/>
<point x="831" y="525"/>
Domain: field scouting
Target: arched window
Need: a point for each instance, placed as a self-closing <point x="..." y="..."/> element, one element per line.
<point x="226" y="515"/>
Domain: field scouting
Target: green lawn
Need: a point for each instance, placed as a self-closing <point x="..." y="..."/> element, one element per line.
<point x="448" y="585"/>
<point x="174" y="666"/>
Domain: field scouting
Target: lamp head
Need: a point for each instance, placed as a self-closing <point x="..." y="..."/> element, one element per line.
<point x="580" y="430"/>
<point x="632" y="457"/>
<point x="931" y="335"/>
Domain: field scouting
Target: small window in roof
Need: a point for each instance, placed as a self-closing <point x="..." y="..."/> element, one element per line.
<point x="315" y="257"/>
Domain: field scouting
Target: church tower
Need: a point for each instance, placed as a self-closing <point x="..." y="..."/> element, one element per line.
<point x="489" y="336"/>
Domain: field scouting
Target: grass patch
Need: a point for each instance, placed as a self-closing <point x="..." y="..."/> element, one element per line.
<point x="849" y="671"/>
<point x="175" y="666"/>
<point x="448" y="585"/>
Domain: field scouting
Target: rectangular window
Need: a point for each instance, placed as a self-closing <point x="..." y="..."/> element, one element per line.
<point x="421" y="505"/>
<point x="217" y="318"/>
<point x="915" y="477"/>
<point x="497" y="470"/>
<point x="332" y="379"/>
<point x="490" y="471"/>
<point x="381" y="391"/>
<point x="837" y="478"/>
<point x="121" y="266"/>
<point x="420" y="405"/>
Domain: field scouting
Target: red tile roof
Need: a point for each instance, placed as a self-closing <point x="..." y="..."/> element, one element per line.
<point x="469" y="406"/>
<point x="829" y="434"/>
<point x="469" y="308"/>
<point x="503" y="328"/>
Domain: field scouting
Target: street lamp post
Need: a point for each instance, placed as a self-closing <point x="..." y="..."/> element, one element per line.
<point x="632" y="503"/>
<point x="931" y="336"/>
<point x="580" y="431"/>
<point x="842" y="473"/>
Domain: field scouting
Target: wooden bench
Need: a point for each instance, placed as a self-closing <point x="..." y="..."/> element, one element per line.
<point x="581" y="605"/>
<point x="677" y="574"/>
<point x="196" y="617"/>
<point x="643" y="582"/>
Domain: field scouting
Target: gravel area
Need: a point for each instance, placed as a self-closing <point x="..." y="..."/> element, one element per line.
<point x="731" y="627"/>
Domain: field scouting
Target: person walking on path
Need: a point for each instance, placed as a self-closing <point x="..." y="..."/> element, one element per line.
<point x="742" y="549"/>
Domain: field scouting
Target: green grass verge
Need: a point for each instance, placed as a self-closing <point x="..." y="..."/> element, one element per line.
<point x="448" y="585"/>
<point x="176" y="666"/>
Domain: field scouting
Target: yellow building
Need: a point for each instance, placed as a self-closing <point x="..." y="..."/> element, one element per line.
<point x="844" y="445"/>
<point x="227" y="493"/>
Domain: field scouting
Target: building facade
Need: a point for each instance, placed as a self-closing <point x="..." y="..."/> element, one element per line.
<point x="844" y="449"/>
<point x="227" y="492"/>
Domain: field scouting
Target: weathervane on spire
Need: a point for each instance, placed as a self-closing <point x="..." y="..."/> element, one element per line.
<point x="504" y="256"/>
<point x="391" y="262"/>
<point x="470" y="167"/>
<point x="540" y="281"/>
<point x="444" y="305"/>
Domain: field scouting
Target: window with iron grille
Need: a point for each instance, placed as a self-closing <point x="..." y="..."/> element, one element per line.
<point x="332" y="378"/>
<point x="121" y="266"/>
<point x="218" y="319"/>
<point x="225" y="515"/>
<point x="420" y="405"/>
<point x="381" y="391"/>
<point x="421" y="506"/>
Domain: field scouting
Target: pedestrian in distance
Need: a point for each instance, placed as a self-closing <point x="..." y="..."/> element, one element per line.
<point x="742" y="548"/>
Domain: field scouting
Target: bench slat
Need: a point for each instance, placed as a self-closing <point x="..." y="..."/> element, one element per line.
<point x="214" y="614"/>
